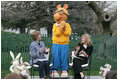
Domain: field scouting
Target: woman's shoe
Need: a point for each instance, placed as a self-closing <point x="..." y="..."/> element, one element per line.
<point x="83" y="77"/>
<point x="42" y="78"/>
<point x="47" y="77"/>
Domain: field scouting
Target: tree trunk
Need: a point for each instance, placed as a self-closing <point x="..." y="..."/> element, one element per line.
<point x="49" y="29"/>
<point x="28" y="31"/>
<point x="37" y="27"/>
<point x="103" y="17"/>
<point x="22" y="30"/>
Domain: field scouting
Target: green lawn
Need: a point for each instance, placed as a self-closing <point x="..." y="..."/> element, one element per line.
<point x="36" y="73"/>
<point x="96" y="63"/>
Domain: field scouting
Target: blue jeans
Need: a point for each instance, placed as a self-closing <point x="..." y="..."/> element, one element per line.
<point x="43" y="65"/>
<point x="60" y="54"/>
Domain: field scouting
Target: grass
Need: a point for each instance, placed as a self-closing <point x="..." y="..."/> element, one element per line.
<point x="96" y="63"/>
<point x="4" y="73"/>
<point x="36" y="73"/>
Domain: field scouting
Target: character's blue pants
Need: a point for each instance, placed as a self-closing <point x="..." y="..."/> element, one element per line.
<point x="60" y="57"/>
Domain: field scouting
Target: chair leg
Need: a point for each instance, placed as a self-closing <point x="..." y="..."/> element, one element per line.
<point x="90" y="73"/>
<point x="87" y="74"/>
<point x="31" y="73"/>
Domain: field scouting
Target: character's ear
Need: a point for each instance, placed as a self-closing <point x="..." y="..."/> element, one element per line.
<point x="21" y="60"/>
<point x="18" y="56"/>
<point x="58" y="6"/>
<point x="65" y="6"/>
<point x="27" y="67"/>
<point x="26" y="63"/>
<point x="12" y="55"/>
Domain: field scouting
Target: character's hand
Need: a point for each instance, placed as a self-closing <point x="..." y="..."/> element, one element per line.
<point x="61" y="28"/>
<point x="62" y="25"/>
<point x="41" y="50"/>
<point x="64" y="28"/>
<point x="47" y="50"/>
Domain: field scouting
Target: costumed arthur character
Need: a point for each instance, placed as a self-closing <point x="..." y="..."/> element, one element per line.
<point x="60" y="48"/>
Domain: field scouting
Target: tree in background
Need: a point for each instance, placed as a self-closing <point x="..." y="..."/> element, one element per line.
<point x="22" y="14"/>
<point x="37" y="14"/>
<point x="106" y="16"/>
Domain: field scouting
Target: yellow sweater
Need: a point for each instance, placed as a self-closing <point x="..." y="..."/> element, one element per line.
<point x="61" y="37"/>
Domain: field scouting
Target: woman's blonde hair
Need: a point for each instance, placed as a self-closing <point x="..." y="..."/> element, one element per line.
<point x="88" y="39"/>
<point x="35" y="34"/>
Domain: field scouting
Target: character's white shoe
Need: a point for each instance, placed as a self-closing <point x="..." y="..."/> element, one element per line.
<point x="54" y="74"/>
<point x="64" y="74"/>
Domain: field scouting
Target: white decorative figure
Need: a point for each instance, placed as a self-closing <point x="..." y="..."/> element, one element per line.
<point x="24" y="66"/>
<point x="19" y="67"/>
<point x="15" y="63"/>
<point x="105" y="70"/>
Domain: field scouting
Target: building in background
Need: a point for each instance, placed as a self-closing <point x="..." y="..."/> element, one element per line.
<point x="43" y="31"/>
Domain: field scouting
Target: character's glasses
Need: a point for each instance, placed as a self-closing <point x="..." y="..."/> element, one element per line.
<point x="60" y="12"/>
